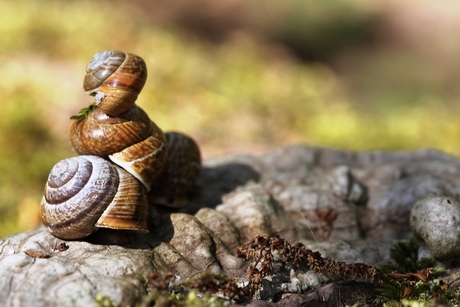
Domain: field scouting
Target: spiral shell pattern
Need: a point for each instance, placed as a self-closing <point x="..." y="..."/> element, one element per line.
<point x="124" y="155"/>
<point x="80" y="189"/>
<point x="118" y="129"/>
<point x="115" y="78"/>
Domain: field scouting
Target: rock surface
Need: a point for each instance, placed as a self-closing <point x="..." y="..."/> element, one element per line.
<point x="436" y="220"/>
<point x="348" y="206"/>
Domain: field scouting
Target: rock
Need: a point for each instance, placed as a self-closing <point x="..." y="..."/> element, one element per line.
<point x="436" y="220"/>
<point x="348" y="293"/>
<point x="253" y="211"/>
<point x="349" y="206"/>
<point x="37" y="271"/>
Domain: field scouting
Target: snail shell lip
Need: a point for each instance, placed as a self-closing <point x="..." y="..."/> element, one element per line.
<point x="143" y="160"/>
<point x="129" y="208"/>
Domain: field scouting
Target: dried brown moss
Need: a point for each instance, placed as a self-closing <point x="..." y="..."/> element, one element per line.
<point x="265" y="250"/>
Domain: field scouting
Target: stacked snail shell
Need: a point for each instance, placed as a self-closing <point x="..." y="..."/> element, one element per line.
<point x="126" y="161"/>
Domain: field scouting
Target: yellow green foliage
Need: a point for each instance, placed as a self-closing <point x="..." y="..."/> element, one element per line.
<point x="240" y="95"/>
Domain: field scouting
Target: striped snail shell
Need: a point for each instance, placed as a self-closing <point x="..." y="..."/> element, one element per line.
<point x="118" y="129"/>
<point x="117" y="78"/>
<point x="181" y="172"/>
<point x="89" y="192"/>
<point x="85" y="193"/>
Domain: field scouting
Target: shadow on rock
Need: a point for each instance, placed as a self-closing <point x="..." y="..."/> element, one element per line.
<point x="212" y="184"/>
<point x="215" y="182"/>
<point x="161" y="230"/>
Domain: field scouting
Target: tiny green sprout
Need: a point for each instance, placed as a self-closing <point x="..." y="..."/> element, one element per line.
<point x="83" y="114"/>
<point x="104" y="301"/>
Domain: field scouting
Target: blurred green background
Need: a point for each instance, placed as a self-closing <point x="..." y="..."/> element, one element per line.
<point x="238" y="76"/>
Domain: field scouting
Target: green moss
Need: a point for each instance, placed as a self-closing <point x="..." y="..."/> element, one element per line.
<point x="164" y="298"/>
<point x="104" y="301"/>
<point x="433" y="291"/>
<point x="404" y="256"/>
<point x="84" y="112"/>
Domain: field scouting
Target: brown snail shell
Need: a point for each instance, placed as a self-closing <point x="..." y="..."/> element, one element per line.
<point x="118" y="129"/>
<point x="182" y="169"/>
<point x="102" y="135"/>
<point x="138" y="145"/>
<point x="116" y="78"/>
<point x="144" y="160"/>
<point x="88" y="192"/>
<point x="84" y="193"/>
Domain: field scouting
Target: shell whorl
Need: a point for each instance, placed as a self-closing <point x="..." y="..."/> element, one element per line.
<point x="181" y="171"/>
<point x="124" y="156"/>
<point x="86" y="192"/>
<point x="118" y="129"/>
<point x="100" y="68"/>
<point x="137" y="145"/>
<point x="116" y="79"/>
<point x="103" y="135"/>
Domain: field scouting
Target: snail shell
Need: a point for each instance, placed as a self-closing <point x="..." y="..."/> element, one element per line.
<point x="118" y="129"/>
<point x="181" y="172"/>
<point x="132" y="141"/>
<point x="88" y="192"/>
<point x="85" y="193"/>
<point x="116" y="78"/>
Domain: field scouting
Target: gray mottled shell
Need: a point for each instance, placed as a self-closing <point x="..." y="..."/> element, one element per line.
<point x="81" y="189"/>
<point x="78" y="190"/>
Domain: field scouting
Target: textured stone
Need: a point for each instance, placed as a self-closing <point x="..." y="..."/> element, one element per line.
<point x="349" y="206"/>
<point x="436" y="220"/>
